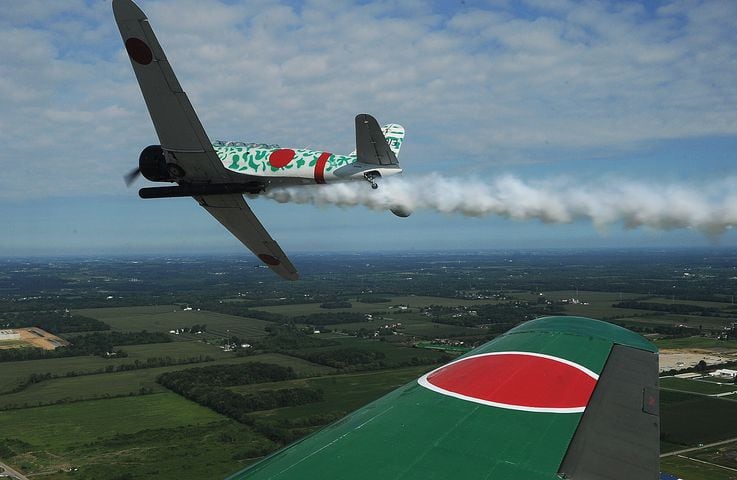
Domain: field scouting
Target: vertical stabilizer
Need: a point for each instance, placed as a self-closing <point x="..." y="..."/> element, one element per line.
<point x="394" y="135"/>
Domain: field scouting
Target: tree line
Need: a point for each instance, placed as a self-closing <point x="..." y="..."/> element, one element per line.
<point x="680" y="308"/>
<point x="54" y="321"/>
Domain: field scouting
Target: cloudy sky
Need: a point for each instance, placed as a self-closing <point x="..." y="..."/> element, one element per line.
<point x="620" y="117"/>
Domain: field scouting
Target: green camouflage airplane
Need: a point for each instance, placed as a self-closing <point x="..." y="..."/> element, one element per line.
<point x="218" y="174"/>
<point x="554" y="398"/>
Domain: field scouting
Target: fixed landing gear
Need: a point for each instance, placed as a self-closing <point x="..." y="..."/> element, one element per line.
<point x="370" y="177"/>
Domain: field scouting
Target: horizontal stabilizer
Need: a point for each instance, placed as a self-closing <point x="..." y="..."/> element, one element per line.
<point x="371" y="145"/>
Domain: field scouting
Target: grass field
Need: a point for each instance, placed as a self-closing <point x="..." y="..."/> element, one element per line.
<point x="60" y="426"/>
<point x="153" y="436"/>
<point x="694" y="470"/>
<point x="170" y="317"/>
<point x="696" y="342"/>
<point x="695" y="386"/>
<point x="12" y="373"/>
<point x="131" y="382"/>
<point x="689" y="419"/>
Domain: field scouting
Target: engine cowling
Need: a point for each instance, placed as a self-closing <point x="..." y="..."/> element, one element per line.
<point x="152" y="164"/>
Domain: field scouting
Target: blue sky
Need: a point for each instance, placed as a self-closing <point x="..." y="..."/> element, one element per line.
<point x="588" y="94"/>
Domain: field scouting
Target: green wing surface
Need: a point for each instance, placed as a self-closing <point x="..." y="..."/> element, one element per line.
<point x="556" y="397"/>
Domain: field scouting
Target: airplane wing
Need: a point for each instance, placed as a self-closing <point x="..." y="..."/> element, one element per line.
<point x="554" y="398"/>
<point x="371" y="146"/>
<point x="185" y="142"/>
<point x="180" y="131"/>
<point x="235" y="215"/>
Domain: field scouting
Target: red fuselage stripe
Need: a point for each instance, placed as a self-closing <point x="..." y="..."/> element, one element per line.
<point x="320" y="167"/>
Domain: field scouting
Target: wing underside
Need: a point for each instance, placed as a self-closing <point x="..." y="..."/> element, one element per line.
<point x="235" y="215"/>
<point x="424" y="433"/>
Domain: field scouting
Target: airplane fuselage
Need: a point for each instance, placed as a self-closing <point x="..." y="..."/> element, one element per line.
<point x="284" y="166"/>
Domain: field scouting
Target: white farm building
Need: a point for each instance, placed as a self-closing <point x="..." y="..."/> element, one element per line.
<point x="9" y="335"/>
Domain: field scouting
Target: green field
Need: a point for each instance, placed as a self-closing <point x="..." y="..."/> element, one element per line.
<point x="170" y="317"/>
<point x="694" y="470"/>
<point x="690" y="419"/>
<point x="59" y="426"/>
<point x="696" y="342"/>
<point x="12" y="373"/>
<point x="129" y="382"/>
<point x="695" y="386"/>
<point x="152" y="436"/>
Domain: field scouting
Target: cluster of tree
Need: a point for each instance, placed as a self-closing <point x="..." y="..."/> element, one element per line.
<point x="503" y="314"/>
<point x="208" y="387"/>
<point x="90" y="344"/>
<point x="225" y="376"/>
<point x="680" y="308"/>
<point x="288" y="337"/>
<point x="240" y="309"/>
<point x="10" y="447"/>
<point x="670" y="331"/>
<point x="361" y="359"/>
<point x="331" y="318"/>
<point x="700" y="367"/>
<point x="373" y="299"/>
<point x="32" y="379"/>
<point x="345" y="357"/>
<point x="54" y="321"/>
<point x="336" y="304"/>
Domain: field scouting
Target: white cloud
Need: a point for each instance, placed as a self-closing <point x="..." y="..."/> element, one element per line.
<point x="482" y="84"/>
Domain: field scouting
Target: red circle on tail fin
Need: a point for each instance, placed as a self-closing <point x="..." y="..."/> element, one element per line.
<point x="516" y="380"/>
<point x="139" y="51"/>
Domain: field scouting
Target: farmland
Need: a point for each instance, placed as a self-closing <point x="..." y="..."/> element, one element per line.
<point x="105" y="414"/>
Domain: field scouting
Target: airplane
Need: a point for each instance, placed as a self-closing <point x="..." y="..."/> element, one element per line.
<point x="553" y="398"/>
<point x="218" y="174"/>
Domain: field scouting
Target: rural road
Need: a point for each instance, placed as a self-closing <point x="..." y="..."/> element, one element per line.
<point x="6" y="470"/>
<point x="693" y="449"/>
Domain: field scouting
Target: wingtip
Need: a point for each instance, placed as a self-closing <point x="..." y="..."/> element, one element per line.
<point x="127" y="10"/>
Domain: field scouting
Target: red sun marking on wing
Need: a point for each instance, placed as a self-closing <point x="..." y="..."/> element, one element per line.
<point x="139" y="51"/>
<point x="516" y="380"/>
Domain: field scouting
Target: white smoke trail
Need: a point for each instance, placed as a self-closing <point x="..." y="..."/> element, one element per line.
<point x="711" y="209"/>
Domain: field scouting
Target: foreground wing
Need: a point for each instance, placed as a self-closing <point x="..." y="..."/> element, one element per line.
<point x="235" y="215"/>
<point x="557" y="397"/>
<point x="180" y="131"/>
